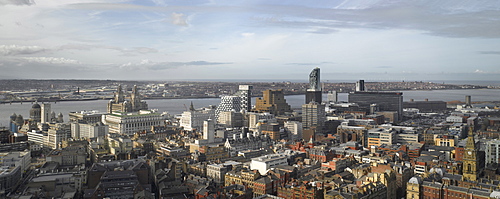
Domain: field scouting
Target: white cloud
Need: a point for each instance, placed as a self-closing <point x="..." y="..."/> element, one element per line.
<point x="151" y="65"/>
<point x="51" y="60"/>
<point x="160" y="2"/>
<point x="16" y="2"/>
<point x="20" y="50"/>
<point x="247" y="34"/>
<point x="145" y="50"/>
<point x="179" y="19"/>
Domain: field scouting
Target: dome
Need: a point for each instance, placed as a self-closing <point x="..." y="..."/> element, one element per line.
<point x="36" y="106"/>
<point x="415" y="180"/>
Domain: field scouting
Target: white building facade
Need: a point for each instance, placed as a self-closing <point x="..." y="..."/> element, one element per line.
<point x="493" y="151"/>
<point x="130" y="123"/>
<point x="193" y="119"/>
<point x="264" y="163"/>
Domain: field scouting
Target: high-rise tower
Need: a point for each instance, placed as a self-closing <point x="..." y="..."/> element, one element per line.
<point x="45" y="113"/>
<point x="360" y="85"/>
<point x="245" y="93"/>
<point x="313" y="115"/>
<point x="314" y="94"/>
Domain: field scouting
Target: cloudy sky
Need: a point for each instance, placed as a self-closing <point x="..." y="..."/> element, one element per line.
<point x="380" y="40"/>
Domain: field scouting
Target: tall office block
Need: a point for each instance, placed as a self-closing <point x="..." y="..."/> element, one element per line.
<point x="45" y="113"/>
<point x="313" y="115"/>
<point x="245" y="93"/>
<point x="272" y="101"/>
<point x="314" y="93"/>
<point x="209" y="130"/>
<point x="492" y="151"/>
<point x="468" y="101"/>
<point x="385" y="101"/>
<point x="360" y="85"/>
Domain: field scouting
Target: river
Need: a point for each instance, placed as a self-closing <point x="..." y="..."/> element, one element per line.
<point x="177" y="106"/>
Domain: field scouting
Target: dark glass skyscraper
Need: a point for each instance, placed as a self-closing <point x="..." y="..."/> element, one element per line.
<point x="313" y="94"/>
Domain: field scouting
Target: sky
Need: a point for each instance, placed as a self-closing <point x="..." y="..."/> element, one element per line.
<point x="375" y="40"/>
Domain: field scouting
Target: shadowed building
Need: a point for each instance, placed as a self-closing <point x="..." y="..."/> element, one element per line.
<point x="426" y="105"/>
<point x="313" y="115"/>
<point x="272" y="101"/>
<point x="360" y="85"/>
<point x="385" y="101"/>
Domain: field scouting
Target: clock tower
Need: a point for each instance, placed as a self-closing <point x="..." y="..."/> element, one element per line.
<point x="469" y="171"/>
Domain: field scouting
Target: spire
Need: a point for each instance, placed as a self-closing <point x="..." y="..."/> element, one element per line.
<point x="134" y="90"/>
<point x="191" y="107"/>
<point x="471" y="143"/>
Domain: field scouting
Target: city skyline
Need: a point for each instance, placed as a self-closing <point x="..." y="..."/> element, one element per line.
<point x="175" y="40"/>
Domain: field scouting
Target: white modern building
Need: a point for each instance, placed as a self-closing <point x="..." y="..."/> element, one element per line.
<point x="493" y="151"/>
<point x="45" y="113"/>
<point x="56" y="134"/>
<point x="209" y="130"/>
<point x="38" y="137"/>
<point x="131" y="123"/>
<point x="90" y="130"/>
<point x="193" y="119"/>
<point x="455" y="119"/>
<point x="264" y="163"/>
<point x="245" y="94"/>
<point x="295" y="128"/>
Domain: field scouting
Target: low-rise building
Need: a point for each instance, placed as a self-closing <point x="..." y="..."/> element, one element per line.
<point x="264" y="163"/>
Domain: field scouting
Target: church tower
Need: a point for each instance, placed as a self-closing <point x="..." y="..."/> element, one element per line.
<point x="470" y="163"/>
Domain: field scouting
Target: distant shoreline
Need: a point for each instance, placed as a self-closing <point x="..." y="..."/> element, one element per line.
<point x="211" y="97"/>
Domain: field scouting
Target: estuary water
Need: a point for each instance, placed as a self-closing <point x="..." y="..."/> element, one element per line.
<point x="177" y="106"/>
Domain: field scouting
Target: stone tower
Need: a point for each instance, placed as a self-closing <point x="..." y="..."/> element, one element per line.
<point x="470" y="163"/>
